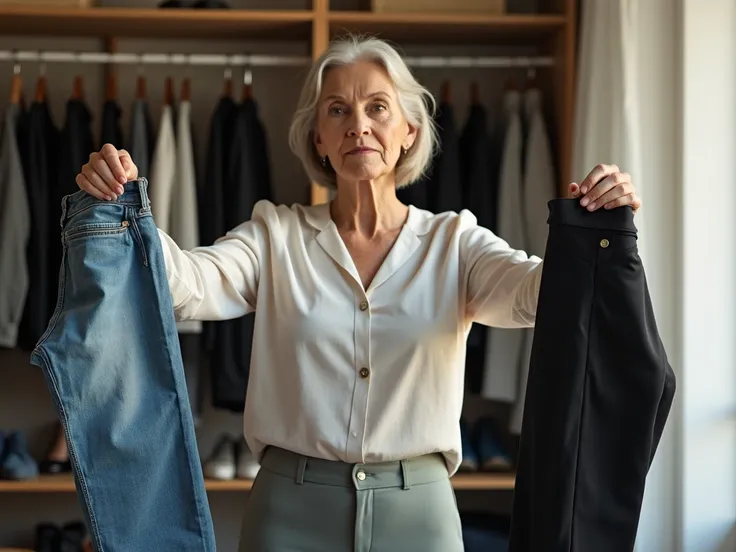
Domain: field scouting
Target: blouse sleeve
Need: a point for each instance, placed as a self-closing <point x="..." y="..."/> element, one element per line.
<point x="502" y="283"/>
<point x="219" y="281"/>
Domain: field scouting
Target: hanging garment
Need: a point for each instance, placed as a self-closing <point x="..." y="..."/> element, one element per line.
<point x="599" y="393"/>
<point x="504" y="345"/>
<point x="111" y="131"/>
<point x="15" y="229"/>
<point x="39" y="156"/>
<point x="476" y="195"/>
<point x="112" y="365"/>
<point x="163" y="171"/>
<point x="539" y="189"/>
<point x="75" y="147"/>
<point x="211" y="189"/>
<point x="439" y="190"/>
<point x="247" y="182"/>
<point x="142" y="137"/>
<point x="607" y="126"/>
<point x="445" y="186"/>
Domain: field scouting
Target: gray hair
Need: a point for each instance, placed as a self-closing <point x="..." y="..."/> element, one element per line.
<point x="416" y="102"/>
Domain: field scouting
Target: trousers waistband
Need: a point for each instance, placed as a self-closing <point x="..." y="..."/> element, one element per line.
<point x="135" y="194"/>
<point x="425" y="469"/>
<point x="569" y="212"/>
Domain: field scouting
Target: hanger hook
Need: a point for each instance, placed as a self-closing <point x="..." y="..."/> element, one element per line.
<point x="248" y="74"/>
<point x="16" y="64"/>
<point x="139" y="63"/>
<point x="531" y="71"/>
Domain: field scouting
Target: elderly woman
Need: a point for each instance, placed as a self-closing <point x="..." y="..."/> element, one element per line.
<point x="364" y="305"/>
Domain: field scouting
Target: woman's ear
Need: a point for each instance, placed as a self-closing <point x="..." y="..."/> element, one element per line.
<point x="411" y="136"/>
<point x="318" y="144"/>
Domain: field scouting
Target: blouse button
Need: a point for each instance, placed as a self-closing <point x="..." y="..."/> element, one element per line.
<point x="363" y="305"/>
<point x="604" y="243"/>
<point x="364" y="372"/>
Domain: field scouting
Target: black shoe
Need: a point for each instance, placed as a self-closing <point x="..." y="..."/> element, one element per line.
<point x="54" y="467"/>
<point x="48" y="538"/>
<point x="172" y="4"/>
<point x="211" y="5"/>
<point x="72" y="537"/>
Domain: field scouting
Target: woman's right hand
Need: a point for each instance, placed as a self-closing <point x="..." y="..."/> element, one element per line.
<point x="106" y="171"/>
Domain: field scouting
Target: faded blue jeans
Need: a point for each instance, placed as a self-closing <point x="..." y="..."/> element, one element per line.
<point x="112" y="361"/>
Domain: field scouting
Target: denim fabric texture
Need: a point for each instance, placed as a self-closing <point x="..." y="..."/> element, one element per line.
<point x="112" y="361"/>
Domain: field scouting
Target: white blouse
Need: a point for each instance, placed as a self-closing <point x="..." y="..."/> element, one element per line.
<point x="345" y="373"/>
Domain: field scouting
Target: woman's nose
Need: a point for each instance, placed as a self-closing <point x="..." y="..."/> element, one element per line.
<point x="359" y="125"/>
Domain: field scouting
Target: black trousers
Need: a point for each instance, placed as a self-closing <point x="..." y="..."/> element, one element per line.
<point x="599" y="392"/>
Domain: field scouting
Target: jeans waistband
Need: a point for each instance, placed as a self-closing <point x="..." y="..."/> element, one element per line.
<point x="135" y="194"/>
<point x="425" y="469"/>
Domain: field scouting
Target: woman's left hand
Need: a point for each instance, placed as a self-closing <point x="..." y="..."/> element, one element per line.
<point x="606" y="186"/>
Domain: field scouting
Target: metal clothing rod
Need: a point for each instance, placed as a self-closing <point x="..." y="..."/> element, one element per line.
<point x="240" y="60"/>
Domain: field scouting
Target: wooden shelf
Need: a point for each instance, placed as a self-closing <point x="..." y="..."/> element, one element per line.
<point x="65" y="484"/>
<point x="156" y="23"/>
<point x="433" y="28"/>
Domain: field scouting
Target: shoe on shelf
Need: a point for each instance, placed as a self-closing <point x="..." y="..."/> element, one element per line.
<point x="248" y="466"/>
<point x="16" y="462"/>
<point x="48" y="538"/>
<point x="57" y="460"/>
<point x="211" y="5"/>
<point x="492" y="454"/>
<point x="72" y="537"/>
<point x="221" y="463"/>
<point x="172" y="4"/>
<point x="469" y="462"/>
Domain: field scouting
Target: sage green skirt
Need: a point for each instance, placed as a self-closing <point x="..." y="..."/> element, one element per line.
<point x="303" y="504"/>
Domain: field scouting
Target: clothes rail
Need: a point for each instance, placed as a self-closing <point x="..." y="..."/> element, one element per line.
<point x="240" y="60"/>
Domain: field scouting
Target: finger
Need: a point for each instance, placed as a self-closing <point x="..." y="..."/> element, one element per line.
<point x="97" y="182"/>
<point x="111" y="155"/>
<point x="616" y="181"/>
<point x="574" y="190"/>
<point x="88" y="187"/>
<point x="102" y="168"/>
<point x="128" y="166"/>
<point x="621" y="201"/>
<point x="623" y="190"/>
<point x="636" y="203"/>
<point x="598" y="173"/>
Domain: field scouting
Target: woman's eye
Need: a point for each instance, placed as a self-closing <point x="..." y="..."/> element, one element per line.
<point x="336" y="110"/>
<point x="379" y="107"/>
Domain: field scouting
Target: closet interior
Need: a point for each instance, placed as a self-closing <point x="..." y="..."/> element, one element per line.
<point x="125" y="52"/>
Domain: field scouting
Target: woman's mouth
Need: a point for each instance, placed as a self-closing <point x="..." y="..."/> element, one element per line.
<point x="360" y="151"/>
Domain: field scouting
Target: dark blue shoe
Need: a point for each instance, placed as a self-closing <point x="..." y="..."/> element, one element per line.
<point x="17" y="462"/>
<point x="470" y="458"/>
<point x="492" y="455"/>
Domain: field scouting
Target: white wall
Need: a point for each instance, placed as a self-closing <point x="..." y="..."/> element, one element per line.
<point x="687" y="104"/>
<point x="709" y="273"/>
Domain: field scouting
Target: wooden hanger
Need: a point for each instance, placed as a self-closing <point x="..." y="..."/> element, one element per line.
<point x="140" y="88"/>
<point x="474" y="94"/>
<point x="169" y="91"/>
<point x="111" y="87"/>
<point x="185" y="90"/>
<point x="16" y="89"/>
<point x="446" y="92"/>
<point x="40" y="95"/>
<point x="78" y="88"/>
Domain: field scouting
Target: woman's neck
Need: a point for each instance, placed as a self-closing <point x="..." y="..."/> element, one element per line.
<point x="367" y="208"/>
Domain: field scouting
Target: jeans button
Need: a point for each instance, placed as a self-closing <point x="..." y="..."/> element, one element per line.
<point x="360" y="475"/>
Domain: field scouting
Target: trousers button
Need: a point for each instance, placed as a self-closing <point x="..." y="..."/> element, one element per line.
<point x="364" y="372"/>
<point x="604" y="243"/>
<point x="360" y="475"/>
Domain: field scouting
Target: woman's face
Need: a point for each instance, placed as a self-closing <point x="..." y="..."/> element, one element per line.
<point x="360" y="126"/>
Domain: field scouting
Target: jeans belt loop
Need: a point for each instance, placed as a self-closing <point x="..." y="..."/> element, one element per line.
<point x="405" y="475"/>
<point x="301" y="468"/>
<point x="143" y="191"/>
